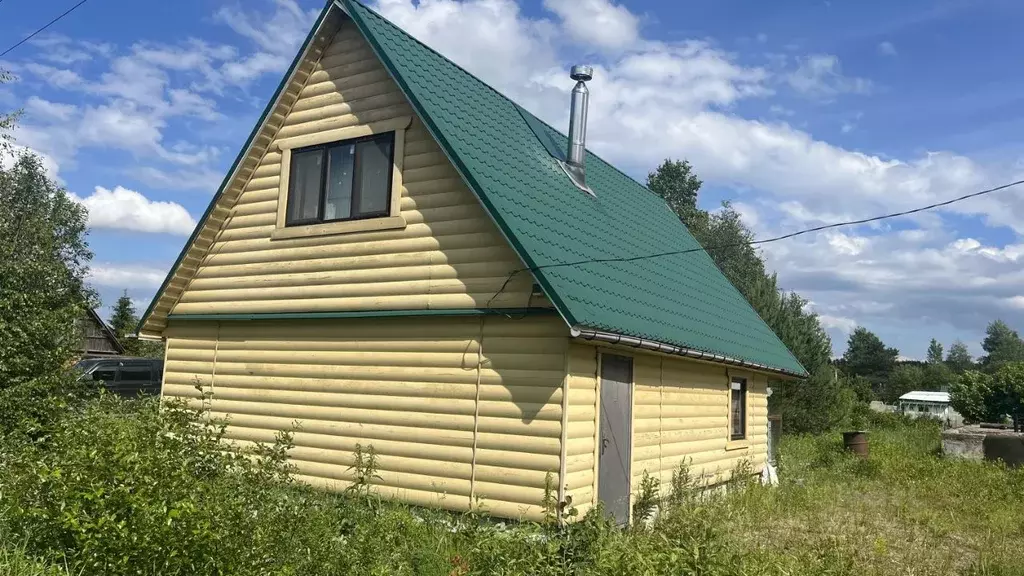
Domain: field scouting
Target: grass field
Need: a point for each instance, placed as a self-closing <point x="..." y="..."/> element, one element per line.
<point x="124" y="488"/>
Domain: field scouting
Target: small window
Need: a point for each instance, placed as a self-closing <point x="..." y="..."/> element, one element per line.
<point x="738" y="409"/>
<point x="347" y="180"/>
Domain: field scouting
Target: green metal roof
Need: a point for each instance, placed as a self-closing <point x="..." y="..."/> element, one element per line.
<point x="683" y="300"/>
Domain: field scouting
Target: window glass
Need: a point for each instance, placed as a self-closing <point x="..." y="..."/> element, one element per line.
<point x="374" y="176"/>
<point x="105" y="374"/>
<point x="304" y="184"/>
<point x="135" y="373"/>
<point x="738" y="408"/>
<point x="340" y="165"/>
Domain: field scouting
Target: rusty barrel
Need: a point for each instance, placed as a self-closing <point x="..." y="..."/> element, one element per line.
<point x="856" y="442"/>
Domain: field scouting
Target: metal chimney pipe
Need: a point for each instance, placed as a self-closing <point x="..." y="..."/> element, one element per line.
<point x="578" y="121"/>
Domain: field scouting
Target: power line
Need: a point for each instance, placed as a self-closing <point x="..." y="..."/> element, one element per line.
<point x="789" y="235"/>
<point x="756" y="242"/>
<point x="48" y="24"/>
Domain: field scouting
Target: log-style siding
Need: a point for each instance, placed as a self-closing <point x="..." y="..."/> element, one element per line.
<point x="582" y="430"/>
<point x="449" y="254"/>
<point x="680" y="413"/>
<point x="454" y="426"/>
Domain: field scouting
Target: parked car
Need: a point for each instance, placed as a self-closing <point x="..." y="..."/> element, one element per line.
<point x="128" y="377"/>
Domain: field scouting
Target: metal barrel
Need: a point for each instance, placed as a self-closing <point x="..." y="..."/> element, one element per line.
<point x="856" y="442"/>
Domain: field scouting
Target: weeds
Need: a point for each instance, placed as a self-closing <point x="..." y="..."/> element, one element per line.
<point x="109" y="486"/>
<point x="646" y="501"/>
<point x="365" y="471"/>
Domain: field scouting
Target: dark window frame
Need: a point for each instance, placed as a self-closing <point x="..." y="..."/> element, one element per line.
<point x="356" y="181"/>
<point x="742" y="393"/>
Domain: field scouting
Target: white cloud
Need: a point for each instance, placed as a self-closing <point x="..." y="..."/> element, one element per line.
<point x="252" y="67"/>
<point x="598" y="23"/>
<point x="57" y="77"/>
<point x="123" y="209"/>
<point x="886" y="48"/>
<point x="819" y="76"/>
<point x="136" y="97"/>
<point x="838" y="323"/>
<point x="199" y="179"/>
<point x="121" y="124"/>
<point x="126" y="276"/>
<point x="37" y="107"/>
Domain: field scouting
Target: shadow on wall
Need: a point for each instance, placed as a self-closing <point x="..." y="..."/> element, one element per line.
<point x="531" y="393"/>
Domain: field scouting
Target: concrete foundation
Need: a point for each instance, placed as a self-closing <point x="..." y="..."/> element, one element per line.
<point x="976" y="443"/>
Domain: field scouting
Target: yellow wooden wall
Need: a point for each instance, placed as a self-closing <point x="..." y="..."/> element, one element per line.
<point x="450" y="254"/>
<point x="680" y="412"/>
<point x="452" y="424"/>
<point x="581" y="438"/>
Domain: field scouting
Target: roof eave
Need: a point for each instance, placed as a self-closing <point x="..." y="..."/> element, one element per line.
<point x="585" y="333"/>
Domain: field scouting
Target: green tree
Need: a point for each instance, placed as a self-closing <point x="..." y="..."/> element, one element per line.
<point x="43" y="263"/>
<point x="934" y="352"/>
<point x="866" y="355"/>
<point x="823" y="402"/>
<point x="6" y="119"/>
<point x="972" y="396"/>
<point x="1002" y="345"/>
<point x="937" y="376"/>
<point x="1009" y="391"/>
<point x="676" y="183"/>
<point x="904" y="378"/>
<point x="124" y="321"/>
<point x="788" y="316"/>
<point x="959" y="359"/>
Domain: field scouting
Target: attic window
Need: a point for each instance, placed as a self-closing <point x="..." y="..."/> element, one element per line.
<point x="341" y="180"/>
<point x="347" y="180"/>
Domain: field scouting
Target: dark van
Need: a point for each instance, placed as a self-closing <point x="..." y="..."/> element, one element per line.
<point x="128" y="377"/>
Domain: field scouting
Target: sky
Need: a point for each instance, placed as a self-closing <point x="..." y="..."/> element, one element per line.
<point x="798" y="113"/>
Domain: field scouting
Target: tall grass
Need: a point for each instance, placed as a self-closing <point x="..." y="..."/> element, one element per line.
<point x="119" y="487"/>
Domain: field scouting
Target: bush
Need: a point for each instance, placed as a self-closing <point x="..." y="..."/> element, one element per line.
<point x="822" y="402"/>
<point x="971" y="395"/>
<point x="121" y="487"/>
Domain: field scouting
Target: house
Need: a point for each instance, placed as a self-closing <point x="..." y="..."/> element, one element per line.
<point x="97" y="339"/>
<point x="403" y="258"/>
<point x="927" y="403"/>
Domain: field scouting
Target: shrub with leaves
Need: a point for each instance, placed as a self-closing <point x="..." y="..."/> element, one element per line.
<point x="122" y="487"/>
<point x="43" y="263"/>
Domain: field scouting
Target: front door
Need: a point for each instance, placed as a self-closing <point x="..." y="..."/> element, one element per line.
<point x="616" y="431"/>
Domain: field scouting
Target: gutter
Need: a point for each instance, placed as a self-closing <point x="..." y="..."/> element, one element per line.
<point x="655" y="346"/>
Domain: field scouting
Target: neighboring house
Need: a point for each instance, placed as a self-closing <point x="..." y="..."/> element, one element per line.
<point x="97" y="338"/>
<point x="394" y="260"/>
<point x="927" y="403"/>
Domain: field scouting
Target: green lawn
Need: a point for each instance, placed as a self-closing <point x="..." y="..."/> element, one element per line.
<point x="111" y="487"/>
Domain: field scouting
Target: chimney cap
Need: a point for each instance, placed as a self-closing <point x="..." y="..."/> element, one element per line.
<point x="581" y="73"/>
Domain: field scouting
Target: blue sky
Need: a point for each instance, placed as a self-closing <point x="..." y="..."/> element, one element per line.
<point x="801" y="113"/>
